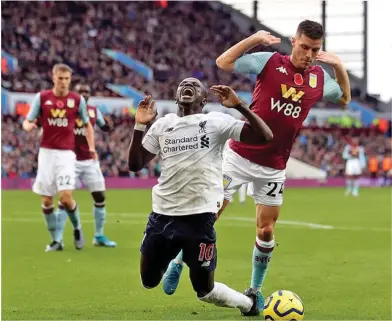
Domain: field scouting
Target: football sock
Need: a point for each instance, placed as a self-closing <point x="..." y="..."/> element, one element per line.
<point x="223" y="296"/>
<point x="50" y="219"/>
<point x="178" y="258"/>
<point x="355" y="186"/>
<point x="74" y="216"/>
<point x="348" y="185"/>
<point x="261" y="256"/>
<point x="61" y="220"/>
<point x="99" y="216"/>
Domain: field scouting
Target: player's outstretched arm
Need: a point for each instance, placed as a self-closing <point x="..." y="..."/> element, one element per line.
<point x="226" y="60"/>
<point x="257" y="131"/>
<point x="138" y="156"/>
<point x="340" y="72"/>
<point x="30" y="122"/>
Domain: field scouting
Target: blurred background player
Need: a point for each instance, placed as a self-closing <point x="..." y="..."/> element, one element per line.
<point x="88" y="169"/>
<point x="189" y="192"/>
<point x="58" y="110"/>
<point x="286" y="89"/>
<point x="242" y="191"/>
<point x="354" y="154"/>
<point x="373" y="168"/>
<point x="387" y="168"/>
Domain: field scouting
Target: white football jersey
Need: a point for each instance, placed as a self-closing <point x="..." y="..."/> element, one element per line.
<point x="191" y="168"/>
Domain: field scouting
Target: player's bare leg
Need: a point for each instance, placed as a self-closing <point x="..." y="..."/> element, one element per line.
<point x="72" y="210"/>
<point x="51" y="224"/>
<point x="266" y="217"/>
<point x="99" y="212"/>
<point x="171" y="278"/>
<point x="150" y="273"/>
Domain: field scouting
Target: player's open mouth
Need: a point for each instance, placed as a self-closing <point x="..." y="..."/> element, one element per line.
<point x="187" y="92"/>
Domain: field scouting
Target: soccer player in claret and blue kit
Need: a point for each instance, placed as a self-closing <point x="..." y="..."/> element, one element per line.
<point x="286" y="89"/>
<point x="88" y="169"/>
<point x="58" y="110"/>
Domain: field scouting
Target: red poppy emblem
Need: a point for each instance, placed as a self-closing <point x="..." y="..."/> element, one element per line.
<point x="298" y="80"/>
<point x="59" y="104"/>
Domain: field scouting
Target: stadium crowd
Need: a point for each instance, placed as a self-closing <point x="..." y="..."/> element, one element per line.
<point x="182" y="40"/>
<point x="319" y="147"/>
<point x="177" y="41"/>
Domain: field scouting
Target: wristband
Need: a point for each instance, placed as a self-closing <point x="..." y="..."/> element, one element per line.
<point x="140" y="127"/>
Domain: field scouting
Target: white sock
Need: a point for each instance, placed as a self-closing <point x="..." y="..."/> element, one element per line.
<point x="242" y="193"/>
<point x="223" y="296"/>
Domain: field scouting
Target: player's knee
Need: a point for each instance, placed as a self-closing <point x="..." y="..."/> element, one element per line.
<point x="265" y="232"/>
<point x="47" y="201"/>
<point x="99" y="197"/>
<point x="67" y="200"/>
<point x="202" y="282"/>
<point x="149" y="281"/>
<point x="203" y="292"/>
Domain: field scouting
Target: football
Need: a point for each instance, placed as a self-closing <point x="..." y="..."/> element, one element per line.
<point x="283" y="305"/>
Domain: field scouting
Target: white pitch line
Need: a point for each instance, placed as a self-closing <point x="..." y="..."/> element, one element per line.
<point x="295" y="223"/>
<point x="238" y="221"/>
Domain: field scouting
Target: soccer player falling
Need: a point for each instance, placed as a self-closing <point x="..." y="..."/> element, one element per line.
<point x="88" y="169"/>
<point x="58" y="110"/>
<point x="286" y="88"/>
<point x="189" y="192"/>
<point x="354" y="154"/>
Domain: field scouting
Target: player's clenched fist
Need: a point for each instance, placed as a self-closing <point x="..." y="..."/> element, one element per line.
<point x="226" y="95"/>
<point x="109" y="123"/>
<point x="146" y="112"/>
<point x="265" y="38"/>
<point x="29" y="126"/>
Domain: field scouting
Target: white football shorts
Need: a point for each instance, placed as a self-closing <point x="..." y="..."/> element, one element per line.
<point x="56" y="171"/>
<point x="90" y="174"/>
<point x="353" y="167"/>
<point x="266" y="184"/>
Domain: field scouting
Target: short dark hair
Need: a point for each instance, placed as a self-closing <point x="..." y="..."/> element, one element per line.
<point x="311" y="29"/>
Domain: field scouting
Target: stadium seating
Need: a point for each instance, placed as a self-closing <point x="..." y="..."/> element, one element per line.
<point x="181" y="40"/>
<point x="177" y="41"/>
<point x="319" y="147"/>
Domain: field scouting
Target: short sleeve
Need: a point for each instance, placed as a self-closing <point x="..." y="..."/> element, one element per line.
<point x="83" y="111"/>
<point x="230" y="127"/>
<point x="252" y="63"/>
<point x="331" y="91"/>
<point x="100" y="120"/>
<point x="151" y="139"/>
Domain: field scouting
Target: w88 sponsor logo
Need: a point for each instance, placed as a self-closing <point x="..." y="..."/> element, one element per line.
<point x="58" y="122"/>
<point x="288" y="109"/>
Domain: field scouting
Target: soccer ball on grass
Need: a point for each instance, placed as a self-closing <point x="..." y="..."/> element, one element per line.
<point x="283" y="305"/>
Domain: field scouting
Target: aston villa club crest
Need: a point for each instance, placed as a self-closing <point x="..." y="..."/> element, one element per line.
<point x="226" y="181"/>
<point x="70" y="103"/>
<point x="91" y="113"/>
<point x="313" y="80"/>
<point x="298" y="79"/>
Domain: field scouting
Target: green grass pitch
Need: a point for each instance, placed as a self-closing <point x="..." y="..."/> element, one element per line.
<point x="333" y="251"/>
